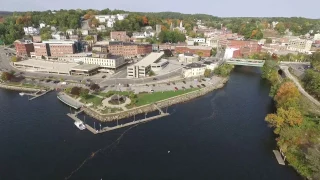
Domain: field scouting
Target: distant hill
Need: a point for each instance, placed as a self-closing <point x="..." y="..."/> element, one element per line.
<point x="5" y="13"/>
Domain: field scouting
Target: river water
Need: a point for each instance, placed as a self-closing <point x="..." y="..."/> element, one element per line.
<point x="222" y="135"/>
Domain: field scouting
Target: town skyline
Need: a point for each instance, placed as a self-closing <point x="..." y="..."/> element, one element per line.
<point x="228" y="8"/>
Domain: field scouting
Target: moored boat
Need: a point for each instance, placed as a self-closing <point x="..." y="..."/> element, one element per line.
<point x="80" y="125"/>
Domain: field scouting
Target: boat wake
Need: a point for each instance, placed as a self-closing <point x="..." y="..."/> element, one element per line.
<point x="93" y="154"/>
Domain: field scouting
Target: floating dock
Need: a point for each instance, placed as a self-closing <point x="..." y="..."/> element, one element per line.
<point x="279" y="157"/>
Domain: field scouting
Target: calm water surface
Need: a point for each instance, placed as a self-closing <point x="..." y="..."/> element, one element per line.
<point x="222" y="135"/>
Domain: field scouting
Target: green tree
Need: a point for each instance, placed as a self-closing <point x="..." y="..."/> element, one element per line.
<point x="89" y="38"/>
<point x="151" y="73"/>
<point x="224" y="70"/>
<point x="280" y="28"/>
<point x="214" y="51"/>
<point x="15" y="59"/>
<point x="84" y="92"/>
<point x="207" y="73"/>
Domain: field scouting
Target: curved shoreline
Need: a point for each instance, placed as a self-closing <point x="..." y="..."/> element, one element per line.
<point x="18" y="88"/>
<point x="151" y="107"/>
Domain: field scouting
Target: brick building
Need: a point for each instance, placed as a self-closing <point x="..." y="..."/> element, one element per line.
<point x="23" y="48"/>
<point x="58" y="50"/>
<point x="41" y="50"/>
<point x="129" y="50"/>
<point x="245" y="48"/>
<point x="119" y="36"/>
<point x="203" y="50"/>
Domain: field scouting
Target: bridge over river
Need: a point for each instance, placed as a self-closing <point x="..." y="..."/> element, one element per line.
<point x="246" y="62"/>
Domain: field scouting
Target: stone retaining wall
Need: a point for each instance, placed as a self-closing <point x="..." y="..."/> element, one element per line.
<point x="151" y="107"/>
<point x="18" y="88"/>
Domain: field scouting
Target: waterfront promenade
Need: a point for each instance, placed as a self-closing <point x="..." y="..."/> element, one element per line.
<point x="63" y="97"/>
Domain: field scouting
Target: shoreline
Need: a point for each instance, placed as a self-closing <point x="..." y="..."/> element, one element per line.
<point x="18" y="88"/>
<point x="153" y="106"/>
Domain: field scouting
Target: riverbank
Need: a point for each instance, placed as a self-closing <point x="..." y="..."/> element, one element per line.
<point x="19" y="88"/>
<point x="296" y="126"/>
<point x="151" y="107"/>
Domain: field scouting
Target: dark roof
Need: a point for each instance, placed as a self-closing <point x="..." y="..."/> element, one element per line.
<point x="188" y="54"/>
<point x="194" y="65"/>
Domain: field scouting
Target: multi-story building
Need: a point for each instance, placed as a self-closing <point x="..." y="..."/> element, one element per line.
<point x="36" y="39"/>
<point x="99" y="48"/>
<point x="129" y="50"/>
<point x="109" y="64"/>
<point x="243" y="48"/>
<point x="300" y="45"/>
<point x="119" y="36"/>
<point x="41" y="50"/>
<point x="143" y="67"/>
<point x="24" y="47"/>
<point x="188" y="58"/>
<point x="200" y="50"/>
<point x="61" y="47"/>
<point x="316" y="37"/>
<point x="193" y="70"/>
<point x="31" y="30"/>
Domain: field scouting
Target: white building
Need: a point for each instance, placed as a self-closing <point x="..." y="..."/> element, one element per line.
<point x="142" y="68"/>
<point x="299" y="45"/>
<point x="84" y="32"/>
<point x="101" y="28"/>
<point x="229" y="52"/>
<point x="31" y="30"/>
<point x="193" y="70"/>
<point x="190" y="42"/>
<point x="70" y="31"/>
<point x="316" y="37"/>
<point x="188" y="58"/>
<point x="199" y="40"/>
<point x="42" y="25"/>
<point x="110" y="19"/>
<point x="109" y="64"/>
<point x="211" y="65"/>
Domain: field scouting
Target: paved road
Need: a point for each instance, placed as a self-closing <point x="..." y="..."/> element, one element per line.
<point x="5" y="66"/>
<point x="289" y="75"/>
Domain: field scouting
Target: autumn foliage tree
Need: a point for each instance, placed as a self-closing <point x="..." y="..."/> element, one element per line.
<point x="287" y="96"/>
<point x="145" y="20"/>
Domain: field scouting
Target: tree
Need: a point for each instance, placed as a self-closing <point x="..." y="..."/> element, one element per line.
<point x="214" y="51"/>
<point x="280" y="27"/>
<point x="151" y="73"/>
<point x="45" y="36"/>
<point x="75" y="91"/>
<point x="223" y="70"/>
<point x="94" y="22"/>
<point x="84" y="92"/>
<point x="283" y="118"/>
<point x="207" y="73"/>
<point x="89" y="38"/>
<point x="6" y="76"/>
<point x="268" y="41"/>
<point x="15" y="59"/>
<point x="200" y="54"/>
<point x="287" y="96"/>
<point x="94" y="87"/>
<point x="313" y="157"/>
<point x="145" y="20"/>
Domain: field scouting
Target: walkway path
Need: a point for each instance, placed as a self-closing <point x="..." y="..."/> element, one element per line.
<point x="106" y="103"/>
<point x="289" y="75"/>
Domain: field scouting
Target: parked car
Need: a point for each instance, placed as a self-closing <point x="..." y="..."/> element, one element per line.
<point x="151" y="90"/>
<point x="168" y="84"/>
<point x="173" y="83"/>
<point x="48" y="80"/>
<point x="199" y="86"/>
<point x="155" y="79"/>
<point x="104" y="76"/>
<point x="176" y="88"/>
<point x="184" y="82"/>
<point x="203" y="85"/>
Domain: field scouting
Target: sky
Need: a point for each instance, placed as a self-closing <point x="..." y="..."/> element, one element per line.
<point x="221" y="8"/>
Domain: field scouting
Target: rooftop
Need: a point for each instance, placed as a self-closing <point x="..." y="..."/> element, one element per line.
<point x="194" y="65"/>
<point x="85" y="67"/>
<point x="151" y="58"/>
<point x="48" y="65"/>
<point x="55" y="41"/>
<point x="197" y="47"/>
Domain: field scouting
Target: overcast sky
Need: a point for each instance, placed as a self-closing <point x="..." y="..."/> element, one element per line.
<point x="222" y="8"/>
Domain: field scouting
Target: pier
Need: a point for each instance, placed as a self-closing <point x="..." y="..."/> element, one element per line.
<point x="106" y="129"/>
<point x="74" y="115"/>
<point x="279" y="157"/>
<point x="36" y="95"/>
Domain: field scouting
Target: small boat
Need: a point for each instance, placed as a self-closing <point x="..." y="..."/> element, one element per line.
<point x="21" y="94"/>
<point x="80" y="125"/>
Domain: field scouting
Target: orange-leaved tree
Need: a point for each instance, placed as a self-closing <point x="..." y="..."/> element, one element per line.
<point x="287" y="96"/>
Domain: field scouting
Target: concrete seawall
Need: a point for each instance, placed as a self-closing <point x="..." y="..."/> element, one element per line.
<point x="18" y="88"/>
<point x="150" y="107"/>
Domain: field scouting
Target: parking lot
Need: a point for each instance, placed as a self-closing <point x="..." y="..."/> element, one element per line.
<point x="169" y="86"/>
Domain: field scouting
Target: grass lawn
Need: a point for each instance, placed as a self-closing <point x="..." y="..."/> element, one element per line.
<point x="147" y="98"/>
<point x="96" y="101"/>
<point x="110" y="93"/>
<point x="22" y="85"/>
